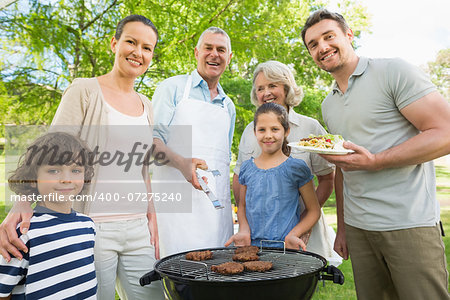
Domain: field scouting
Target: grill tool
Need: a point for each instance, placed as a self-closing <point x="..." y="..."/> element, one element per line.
<point x="215" y="201"/>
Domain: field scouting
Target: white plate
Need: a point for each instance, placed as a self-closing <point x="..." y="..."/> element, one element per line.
<point x="319" y="150"/>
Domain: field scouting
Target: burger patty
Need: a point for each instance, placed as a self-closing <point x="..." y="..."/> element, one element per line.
<point x="245" y="256"/>
<point x="258" y="266"/>
<point x="199" y="255"/>
<point x="228" y="268"/>
<point x="250" y="249"/>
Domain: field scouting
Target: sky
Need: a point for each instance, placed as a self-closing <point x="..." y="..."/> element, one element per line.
<point x="414" y="30"/>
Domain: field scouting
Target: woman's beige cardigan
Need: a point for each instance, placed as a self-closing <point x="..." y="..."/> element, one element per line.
<point x="82" y="112"/>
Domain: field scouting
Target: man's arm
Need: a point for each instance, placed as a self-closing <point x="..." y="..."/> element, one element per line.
<point x="187" y="166"/>
<point x="340" y="243"/>
<point x="431" y="115"/>
<point x="164" y="105"/>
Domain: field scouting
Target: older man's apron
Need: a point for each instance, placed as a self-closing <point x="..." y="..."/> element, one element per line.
<point x="204" y="226"/>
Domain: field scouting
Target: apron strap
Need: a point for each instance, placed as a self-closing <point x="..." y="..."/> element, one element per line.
<point x="187" y="88"/>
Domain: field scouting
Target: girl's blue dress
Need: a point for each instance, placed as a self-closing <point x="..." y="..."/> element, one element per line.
<point x="272" y="198"/>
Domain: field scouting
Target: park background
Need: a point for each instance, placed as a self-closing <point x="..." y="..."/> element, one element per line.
<point x="44" y="45"/>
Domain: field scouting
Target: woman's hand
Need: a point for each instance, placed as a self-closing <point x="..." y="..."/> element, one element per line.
<point x="294" y="242"/>
<point x="10" y="243"/>
<point x="154" y="236"/>
<point x="239" y="239"/>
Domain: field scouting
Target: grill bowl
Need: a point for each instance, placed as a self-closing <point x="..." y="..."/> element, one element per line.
<point x="294" y="276"/>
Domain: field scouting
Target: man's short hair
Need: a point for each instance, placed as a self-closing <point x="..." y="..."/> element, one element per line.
<point x="216" y="30"/>
<point x="323" y="14"/>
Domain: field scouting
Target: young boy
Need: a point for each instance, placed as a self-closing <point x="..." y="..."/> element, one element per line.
<point x="60" y="262"/>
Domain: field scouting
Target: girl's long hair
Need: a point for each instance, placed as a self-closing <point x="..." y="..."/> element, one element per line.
<point x="282" y="115"/>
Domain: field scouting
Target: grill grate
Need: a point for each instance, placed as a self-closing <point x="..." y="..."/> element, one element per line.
<point x="285" y="265"/>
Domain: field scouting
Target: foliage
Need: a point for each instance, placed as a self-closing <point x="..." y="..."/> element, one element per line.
<point x="47" y="43"/>
<point x="440" y="72"/>
<point x="46" y="46"/>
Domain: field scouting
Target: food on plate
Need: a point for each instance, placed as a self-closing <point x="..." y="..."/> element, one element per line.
<point x="228" y="268"/>
<point x="326" y="141"/>
<point x="258" y="266"/>
<point x="245" y="249"/>
<point x="199" y="255"/>
<point x="245" y="256"/>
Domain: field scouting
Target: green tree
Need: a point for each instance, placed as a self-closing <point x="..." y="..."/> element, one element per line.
<point x="440" y="72"/>
<point x="46" y="44"/>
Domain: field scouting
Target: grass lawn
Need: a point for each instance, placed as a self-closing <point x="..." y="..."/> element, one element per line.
<point x="329" y="290"/>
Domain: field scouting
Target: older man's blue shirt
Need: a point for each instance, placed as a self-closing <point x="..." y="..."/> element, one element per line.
<point x="170" y="92"/>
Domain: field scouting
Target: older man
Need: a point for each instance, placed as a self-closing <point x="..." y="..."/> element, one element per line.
<point x="388" y="214"/>
<point x="196" y="106"/>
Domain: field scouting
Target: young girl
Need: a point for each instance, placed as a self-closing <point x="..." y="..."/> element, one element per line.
<point x="269" y="206"/>
<point x="60" y="258"/>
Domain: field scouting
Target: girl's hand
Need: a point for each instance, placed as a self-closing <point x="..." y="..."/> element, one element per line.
<point x="294" y="242"/>
<point x="239" y="239"/>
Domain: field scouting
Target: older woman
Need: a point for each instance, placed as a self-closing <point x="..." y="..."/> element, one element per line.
<point x="273" y="81"/>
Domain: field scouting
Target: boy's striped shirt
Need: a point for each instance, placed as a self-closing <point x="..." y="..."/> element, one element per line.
<point x="60" y="260"/>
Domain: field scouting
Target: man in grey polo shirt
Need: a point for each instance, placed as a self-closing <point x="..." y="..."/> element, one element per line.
<point x="388" y="214"/>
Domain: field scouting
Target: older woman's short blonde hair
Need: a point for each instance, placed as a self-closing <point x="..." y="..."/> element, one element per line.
<point x="280" y="73"/>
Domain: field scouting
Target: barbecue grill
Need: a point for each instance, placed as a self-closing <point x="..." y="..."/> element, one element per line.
<point x="294" y="276"/>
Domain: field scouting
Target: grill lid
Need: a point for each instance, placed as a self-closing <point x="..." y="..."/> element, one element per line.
<point x="286" y="264"/>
